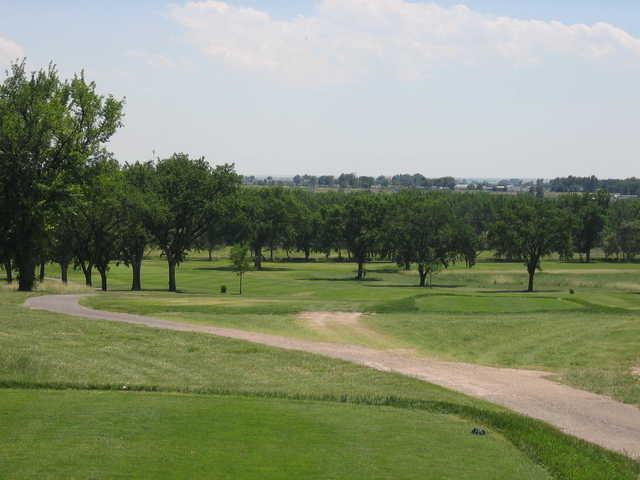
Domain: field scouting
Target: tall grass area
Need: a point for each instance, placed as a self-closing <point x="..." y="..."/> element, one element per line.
<point x="582" y="324"/>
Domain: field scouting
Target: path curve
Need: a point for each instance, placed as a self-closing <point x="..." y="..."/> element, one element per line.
<point x="595" y="418"/>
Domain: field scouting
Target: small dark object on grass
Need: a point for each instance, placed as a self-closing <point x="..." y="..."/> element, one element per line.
<point x="572" y="291"/>
<point x="223" y="289"/>
<point x="478" y="431"/>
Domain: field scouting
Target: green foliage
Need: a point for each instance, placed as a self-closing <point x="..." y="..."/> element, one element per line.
<point x="363" y="217"/>
<point x="621" y="237"/>
<point x="587" y="214"/>
<point x="241" y="261"/>
<point x="189" y="193"/>
<point x="422" y="229"/>
<point x="49" y="129"/>
<point x="527" y="228"/>
<point x="98" y="215"/>
<point x="138" y="213"/>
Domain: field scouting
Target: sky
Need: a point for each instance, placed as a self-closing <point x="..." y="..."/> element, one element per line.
<point x="476" y="88"/>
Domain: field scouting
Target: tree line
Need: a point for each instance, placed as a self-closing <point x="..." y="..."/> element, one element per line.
<point x="626" y="186"/>
<point x="351" y="180"/>
<point x="64" y="198"/>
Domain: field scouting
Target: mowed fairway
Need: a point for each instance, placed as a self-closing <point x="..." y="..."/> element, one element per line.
<point x="92" y="399"/>
<point x="589" y="338"/>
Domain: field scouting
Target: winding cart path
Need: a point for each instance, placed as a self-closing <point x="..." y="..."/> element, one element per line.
<point x="595" y="418"/>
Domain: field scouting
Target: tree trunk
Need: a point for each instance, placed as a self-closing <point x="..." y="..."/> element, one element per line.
<point x="257" y="260"/>
<point x="172" y="276"/>
<point x="423" y="274"/>
<point x="360" y="271"/>
<point x="407" y="266"/>
<point x="64" y="272"/>
<point x="307" y="254"/>
<point x="42" y="272"/>
<point x="103" y="278"/>
<point x="241" y="275"/>
<point x="136" y="267"/>
<point x="26" y="274"/>
<point x="271" y="253"/>
<point x="588" y="253"/>
<point x="210" y="257"/>
<point x="87" y="270"/>
<point x="532" y="272"/>
<point x="8" y="268"/>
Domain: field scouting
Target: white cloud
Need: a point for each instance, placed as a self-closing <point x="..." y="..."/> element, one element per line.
<point x="346" y="40"/>
<point x="9" y="51"/>
<point x="152" y="59"/>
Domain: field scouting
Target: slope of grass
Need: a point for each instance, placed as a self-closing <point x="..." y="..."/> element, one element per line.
<point x="40" y="350"/>
<point x="480" y="315"/>
<point x="594" y="351"/>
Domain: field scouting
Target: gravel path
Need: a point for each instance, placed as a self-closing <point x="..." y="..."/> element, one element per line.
<point x="595" y="418"/>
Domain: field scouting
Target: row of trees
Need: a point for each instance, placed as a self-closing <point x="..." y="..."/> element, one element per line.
<point x="117" y="214"/>
<point x="64" y="198"/>
<point x="626" y="186"/>
<point x="351" y="180"/>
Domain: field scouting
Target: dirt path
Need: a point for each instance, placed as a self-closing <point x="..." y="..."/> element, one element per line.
<point x="595" y="418"/>
<point x="343" y="325"/>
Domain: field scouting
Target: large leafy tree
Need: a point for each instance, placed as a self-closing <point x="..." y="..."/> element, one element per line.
<point x="139" y="209"/>
<point x="363" y="217"/>
<point x="422" y="229"/>
<point x="100" y="218"/>
<point x="49" y="128"/>
<point x="330" y="223"/>
<point x="63" y="234"/>
<point x="252" y="224"/>
<point x="6" y="243"/>
<point x="588" y="215"/>
<point x="305" y="221"/>
<point x="529" y="228"/>
<point x="266" y="220"/>
<point x="189" y="193"/>
<point x="473" y="214"/>
<point x="621" y="236"/>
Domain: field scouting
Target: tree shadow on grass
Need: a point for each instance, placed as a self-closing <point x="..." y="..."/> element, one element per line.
<point x="518" y="291"/>
<point x="339" y="279"/>
<point x="229" y="268"/>
<point x="385" y="270"/>
<point x="414" y="285"/>
<point x="144" y="290"/>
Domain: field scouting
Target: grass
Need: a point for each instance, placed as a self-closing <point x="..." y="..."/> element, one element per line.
<point x="200" y="399"/>
<point x="93" y="362"/>
<point x="588" y="338"/>
<point x="195" y="436"/>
